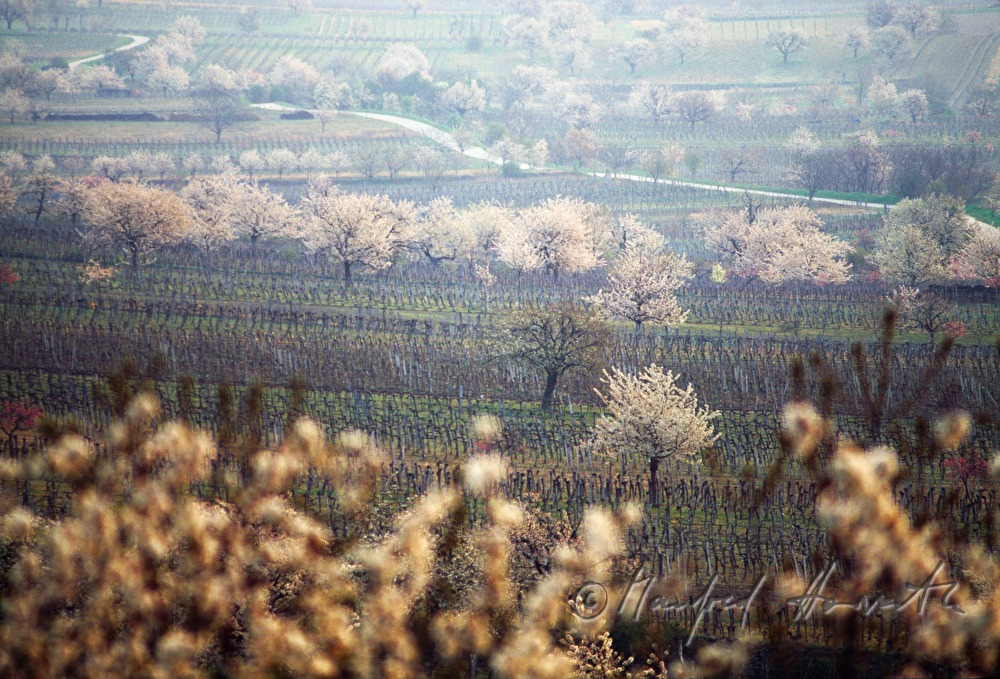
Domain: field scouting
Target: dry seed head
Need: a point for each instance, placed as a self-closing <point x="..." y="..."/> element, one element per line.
<point x="952" y="429"/>
<point x="805" y="426"/>
<point x="18" y="524"/>
<point x="71" y="457"/>
<point x="483" y="473"/>
<point x="505" y="515"/>
<point x="486" y="428"/>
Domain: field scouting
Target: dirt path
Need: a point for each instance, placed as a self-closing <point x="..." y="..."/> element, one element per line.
<point x="137" y="41"/>
<point x="446" y="139"/>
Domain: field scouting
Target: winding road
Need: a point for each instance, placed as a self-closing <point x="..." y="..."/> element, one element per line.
<point x="444" y="138"/>
<point x="137" y="41"/>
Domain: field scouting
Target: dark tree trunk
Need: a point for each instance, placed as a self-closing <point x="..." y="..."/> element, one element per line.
<point x="654" y="481"/>
<point x="551" y="377"/>
<point x="347" y="273"/>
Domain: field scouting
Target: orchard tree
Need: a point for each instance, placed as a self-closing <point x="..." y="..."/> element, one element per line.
<point x="463" y="98"/>
<point x="486" y="221"/>
<point x="685" y="31"/>
<point x="882" y="98"/>
<point x="919" y="237"/>
<point x="787" y="42"/>
<point x="554" y="339"/>
<point x="211" y="199"/>
<point x="879" y="13"/>
<point x="778" y="244"/>
<point x="652" y="100"/>
<point x="856" y="39"/>
<point x="982" y="101"/>
<point x="440" y="233"/>
<point x="697" y="106"/>
<point x="651" y="418"/>
<point x="354" y="230"/>
<point x="643" y="281"/>
<point x="809" y="168"/>
<point x="37" y="186"/>
<point x="257" y="212"/>
<point x="529" y="33"/>
<point x="864" y="165"/>
<point x="914" y="103"/>
<point x="217" y="101"/>
<point x="980" y="258"/>
<point x="281" y="161"/>
<point x="924" y="311"/>
<point x="294" y="77"/>
<point x="580" y="146"/>
<point x="559" y="235"/>
<point x="169" y="79"/>
<point x="251" y="161"/>
<point x="8" y="194"/>
<point x="662" y="161"/>
<point x="917" y="18"/>
<point x="71" y="197"/>
<point x="109" y="167"/>
<point x="890" y="42"/>
<point x="400" y="61"/>
<point x="138" y="219"/>
<point x="14" y="103"/>
<point x="635" y="52"/>
<point x="14" y="10"/>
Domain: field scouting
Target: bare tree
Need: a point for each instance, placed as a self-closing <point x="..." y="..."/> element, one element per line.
<point x="697" y="106"/>
<point x="13" y="10"/>
<point x="787" y="42"/>
<point x="554" y="340"/>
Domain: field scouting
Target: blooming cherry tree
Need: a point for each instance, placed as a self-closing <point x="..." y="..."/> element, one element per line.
<point x="643" y="282"/>
<point x="779" y="245"/>
<point x="649" y="416"/>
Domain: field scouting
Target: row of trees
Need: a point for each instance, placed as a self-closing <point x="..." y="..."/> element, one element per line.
<point x="922" y="240"/>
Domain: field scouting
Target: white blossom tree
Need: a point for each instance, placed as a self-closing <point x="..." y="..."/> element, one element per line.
<point x="560" y="235"/>
<point x="399" y="61"/>
<point x="650" y="417"/>
<point x="652" y="100"/>
<point x="914" y="103"/>
<point x="635" y="52"/>
<point x="463" y="97"/>
<point x="685" y="31"/>
<point x="440" y="233"/>
<point x="643" y="281"/>
<point x="138" y="219"/>
<point x="257" y="212"/>
<point x="281" y="160"/>
<point x="779" y="244"/>
<point x="919" y="237"/>
<point x="354" y="230"/>
<point x="211" y="198"/>
<point x="251" y="161"/>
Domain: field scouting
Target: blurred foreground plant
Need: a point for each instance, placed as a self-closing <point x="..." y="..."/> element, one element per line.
<point x="143" y="579"/>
